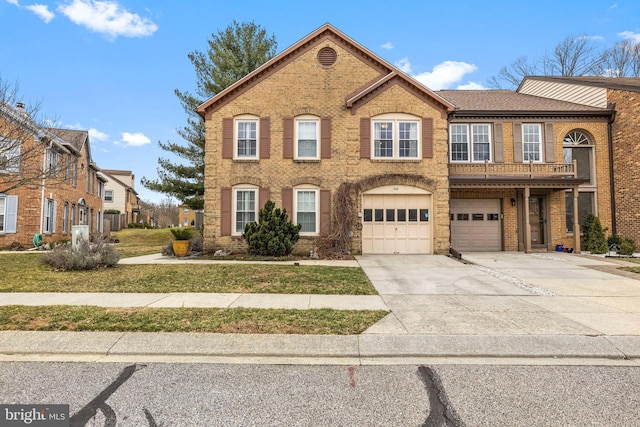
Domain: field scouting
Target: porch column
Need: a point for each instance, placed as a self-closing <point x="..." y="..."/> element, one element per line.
<point x="527" y="224"/>
<point x="576" y="226"/>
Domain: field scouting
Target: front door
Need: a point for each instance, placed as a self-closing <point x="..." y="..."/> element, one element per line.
<point x="537" y="220"/>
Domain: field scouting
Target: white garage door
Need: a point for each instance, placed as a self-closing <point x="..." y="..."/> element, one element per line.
<point x="396" y="224"/>
<point x="476" y="225"/>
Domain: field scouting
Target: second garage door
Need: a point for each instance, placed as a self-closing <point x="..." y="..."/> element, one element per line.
<point x="476" y="225"/>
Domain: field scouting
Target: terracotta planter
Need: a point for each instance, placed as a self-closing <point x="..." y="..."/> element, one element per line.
<point x="180" y="247"/>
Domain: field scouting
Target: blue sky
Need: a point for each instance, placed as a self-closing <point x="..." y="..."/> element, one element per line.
<point x="111" y="67"/>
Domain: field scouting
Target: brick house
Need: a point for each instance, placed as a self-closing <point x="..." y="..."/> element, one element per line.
<point x="120" y="194"/>
<point x="486" y="170"/>
<point x="623" y="95"/>
<point x="67" y="193"/>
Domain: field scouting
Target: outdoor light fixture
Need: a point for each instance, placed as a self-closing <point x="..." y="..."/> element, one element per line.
<point x="513" y="201"/>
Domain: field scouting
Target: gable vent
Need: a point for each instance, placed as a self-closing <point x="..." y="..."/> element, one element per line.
<point x="327" y="56"/>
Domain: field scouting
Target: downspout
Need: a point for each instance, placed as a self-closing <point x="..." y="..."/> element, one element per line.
<point x="611" y="174"/>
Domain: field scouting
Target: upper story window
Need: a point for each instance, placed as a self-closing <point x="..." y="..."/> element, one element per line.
<point x="52" y="162"/>
<point x="396" y="137"/>
<point x="108" y="196"/>
<point x="307" y="137"/>
<point x="577" y="147"/>
<point x="246" y="137"/>
<point x="476" y="134"/>
<point x="9" y="155"/>
<point x="531" y="142"/>
<point x="245" y="208"/>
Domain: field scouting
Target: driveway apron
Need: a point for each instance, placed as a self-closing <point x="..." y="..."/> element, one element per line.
<point x="502" y="293"/>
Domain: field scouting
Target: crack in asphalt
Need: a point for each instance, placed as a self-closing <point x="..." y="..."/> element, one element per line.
<point x="440" y="411"/>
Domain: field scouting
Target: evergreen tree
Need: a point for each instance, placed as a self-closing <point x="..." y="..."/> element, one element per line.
<point x="232" y="54"/>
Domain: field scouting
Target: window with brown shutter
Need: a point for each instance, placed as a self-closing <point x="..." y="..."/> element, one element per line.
<point x="287" y="202"/>
<point x="325" y="212"/>
<point x="517" y="142"/>
<point x="427" y="138"/>
<point x="498" y="146"/>
<point x="549" y="143"/>
<point x="365" y="138"/>
<point x="264" y="195"/>
<point x="227" y="138"/>
<point x="287" y="138"/>
<point x="265" y="138"/>
<point x="225" y="211"/>
<point x="325" y="138"/>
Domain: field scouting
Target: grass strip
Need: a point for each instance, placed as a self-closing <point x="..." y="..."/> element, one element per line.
<point x="226" y="320"/>
<point x="24" y="273"/>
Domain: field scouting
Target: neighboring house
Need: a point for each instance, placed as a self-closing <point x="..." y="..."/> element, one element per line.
<point x="472" y="170"/>
<point x="623" y="95"/>
<point x="120" y="195"/>
<point x="186" y="216"/>
<point x="68" y="194"/>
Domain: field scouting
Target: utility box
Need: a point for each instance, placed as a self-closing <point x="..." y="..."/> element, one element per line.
<point x="79" y="233"/>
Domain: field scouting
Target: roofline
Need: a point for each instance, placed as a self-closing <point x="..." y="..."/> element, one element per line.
<point x="393" y="70"/>
<point x="530" y="113"/>
<point x="582" y="82"/>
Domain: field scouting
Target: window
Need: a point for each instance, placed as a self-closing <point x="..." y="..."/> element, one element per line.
<point x="246" y="139"/>
<point x="307" y="136"/>
<point x="9" y="155"/>
<point x="531" y="142"/>
<point x="576" y="146"/>
<point x="8" y="214"/>
<point x="65" y="217"/>
<point x="49" y="216"/>
<point x="67" y="168"/>
<point x="74" y="172"/>
<point x="306" y="210"/>
<point x="480" y="142"/>
<point x="52" y="162"/>
<point x="396" y="138"/>
<point x="245" y="208"/>
<point x="100" y="187"/>
<point x="99" y="222"/>
<point x="108" y="196"/>
<point x="73" y="214"/>
<point x="185" y="211"/>
<point x="585" y="207"/>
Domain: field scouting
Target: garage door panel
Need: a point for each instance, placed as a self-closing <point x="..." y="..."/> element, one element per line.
<point x="395" y="233"/>
<point x="476" y="225"/>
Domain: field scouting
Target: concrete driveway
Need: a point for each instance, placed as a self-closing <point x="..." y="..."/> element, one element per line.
<point x="505" y="293"/>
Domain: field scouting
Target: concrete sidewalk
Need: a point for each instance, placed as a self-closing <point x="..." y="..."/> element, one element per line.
<point x="503" y="307"/>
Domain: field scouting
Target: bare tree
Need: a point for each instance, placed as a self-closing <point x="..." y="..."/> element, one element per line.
<point x="29" y="154"/>
<point x="514" y="73"/>
<point x="622" y="60"/>
<point x="165" y="213"/>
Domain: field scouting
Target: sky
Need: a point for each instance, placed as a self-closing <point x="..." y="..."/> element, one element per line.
<point x="111" y="67"/>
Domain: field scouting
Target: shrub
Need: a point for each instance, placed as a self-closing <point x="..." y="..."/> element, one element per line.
<point x="614" y="240"/>
<point x="273" y="235"/>
<point x="627" y="247"/>
<point x="195" y="244"/>
<point x="87" y="256"/>
<point x="593" y="239"/>
<point x="182" y="233"/>
<point x="112" y="211"/>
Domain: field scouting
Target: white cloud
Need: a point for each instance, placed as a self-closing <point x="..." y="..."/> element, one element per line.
<point x="135" y="139"/>
<point x="14" y="2"/>
<point x="108" y="18"/>
<point x="470" y="86"/>
<point x="387" y="46"/>
<point x="404" y="65"/>
<point x="96" y="135"/>
<point x="42" y="11"/>
<point x="445" y="75"/>
<point x="628" y="35"/>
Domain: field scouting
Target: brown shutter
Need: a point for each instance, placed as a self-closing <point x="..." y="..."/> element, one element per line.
<point x="517" y="142"/>
<point x="227" y="138"/>
<point x="265" y="138"/>
<point x="287" y="202"/>
<point x="225" y="211"/>
<point x="264" y="195"/>
<point x="549" y="156"/>
<point x="287" y="138"/>
<point x="325" y="212"/>
<point x="498" y="143"/>
<point x="365" y="138"/>
<point x="325" y="138"/>
<point x="427" y="138"/>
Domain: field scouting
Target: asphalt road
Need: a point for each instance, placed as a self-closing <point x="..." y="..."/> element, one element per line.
<point x="266" y="395"/>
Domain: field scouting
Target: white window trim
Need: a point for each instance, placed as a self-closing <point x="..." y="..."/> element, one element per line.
<point x="306" y="119"/>
<point x="235" y="206"/>
<point x="3" y="212"/>
<point x="317" y="203"/>
<point x="245" y="118"/>
<point x="65" y="218"/>
<point x="470" y="152"/>
<point x="397" y="119"/>
<point x="50" y="215"/>
<point x="539" y="143"/>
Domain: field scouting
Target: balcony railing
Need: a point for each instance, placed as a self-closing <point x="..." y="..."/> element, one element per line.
<point x="529" y="170"/>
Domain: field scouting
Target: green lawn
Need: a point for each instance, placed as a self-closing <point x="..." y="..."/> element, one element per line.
<point x="24" y="273"/>
<point x="139" y="241"/>
<point x="236" y="320"/>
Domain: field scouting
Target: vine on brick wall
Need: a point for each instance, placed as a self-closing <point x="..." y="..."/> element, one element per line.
<point x="338" y="242"/>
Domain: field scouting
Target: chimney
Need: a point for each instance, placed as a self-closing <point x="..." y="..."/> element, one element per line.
<point x="20" y="106"/>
